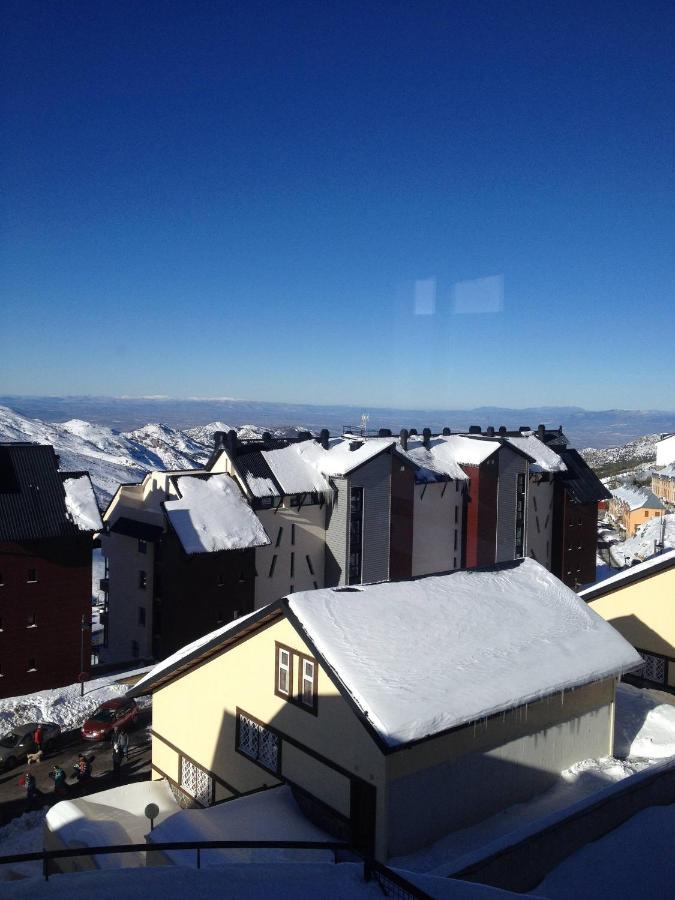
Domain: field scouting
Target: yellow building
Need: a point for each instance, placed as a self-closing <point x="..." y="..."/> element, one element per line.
<point x="663" y="484"/>
<point x="632" y="507"/>
<point x="640" y="603"/>
<point x="396" y="712"/>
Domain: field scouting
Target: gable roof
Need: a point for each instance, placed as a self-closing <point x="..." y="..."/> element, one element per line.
<point x="542" y="457"/>
<point x="294" y="472"/>
<point x="257" y="475"/>
<point x="485" y="641"/>
<point x="37" y="501"/>
<point x="580" y="481"/>
<point x="344" y="454"/>
<point x="211" y="514"/>
<point x="646" y="569"/>
<point x="637" y="498"/>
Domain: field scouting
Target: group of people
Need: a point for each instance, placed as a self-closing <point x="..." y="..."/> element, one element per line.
<point x="82" y="768"/>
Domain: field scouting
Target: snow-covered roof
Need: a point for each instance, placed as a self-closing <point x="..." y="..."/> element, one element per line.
<point x="637" y="498"/>
<point x="668" y="472"/>
<point x="340" y="459"/>
<point x="211" y="514"/>
<point x="464" y="450"/>
<point x="544" y="459"/>
<point x="634" y="573"/>
<point x="81" y="506"/>
<point x="437" y="462"/>
<point x="484" y="642"/>
<point x="294" y="471"/>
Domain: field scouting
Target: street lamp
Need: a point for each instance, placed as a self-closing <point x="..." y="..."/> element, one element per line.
<point x="84" y="626"/>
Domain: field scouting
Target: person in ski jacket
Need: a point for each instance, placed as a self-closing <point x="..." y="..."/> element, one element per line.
<point x="37" y="737"/>
<point x="82" y="768"/>
<point x="30" y="786"/>
<point x="59" y="778"/>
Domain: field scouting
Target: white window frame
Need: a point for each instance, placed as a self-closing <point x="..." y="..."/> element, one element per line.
<point x="196" y="782"/>
<point x="284" y="668"/>
<point x="307" y="680"/>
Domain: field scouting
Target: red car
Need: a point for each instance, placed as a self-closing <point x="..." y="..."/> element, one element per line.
<point x="120" y="713"/>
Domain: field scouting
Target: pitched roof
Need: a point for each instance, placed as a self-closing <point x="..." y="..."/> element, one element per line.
<point x="668" y="472"/>
<point x="543" y="458"/>
<point x="646" y="569"/>
<point x="484" y="642"/>
<point x="257" y="475"/>
<point x="211" y="514"/>
<point x="294" y="472"/>
<point x="580" y="481"/>
<point x="344" y="454"/>
<point x="637" y="498"/>
<point x="33" y="498"/>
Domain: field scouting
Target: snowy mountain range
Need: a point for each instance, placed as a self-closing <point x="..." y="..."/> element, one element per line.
<point x="113" y="457"/>
<point x="632" y="460"/>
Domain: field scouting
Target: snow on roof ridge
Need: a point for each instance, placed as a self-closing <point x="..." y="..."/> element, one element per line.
<point x="81" y="506"/>
<point x="488" y="641"/>
<point x="630" y="572"/>
<point x="636" y="497"/>
<point x="544" y="458"/>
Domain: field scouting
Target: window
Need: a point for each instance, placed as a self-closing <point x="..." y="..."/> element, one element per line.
<point x="32" y="664"/>
<point x="32" y="621"/>
<point x="454" y="562"/>
<point x="272" y="565"/>
<point x="654" y="668"/>
<point x="134" y="649"/>
<point x="32" y="575"/>
<point x="292" y="564"/>
<point x="257" y="742"/>
<point x="316" y="586"/>
<point x="309" y="565"/>
<point x="235" y="614"/>
<point x="2" y="580"/>
<point x="455" y="543"/>
<point x="279" y="533"/>
<point x="283" y="672"/>
<point x="456" y="514"/>
<point x="196" y="782"/>
<point x="142" y="546"/>
<point x="355" y="535"/>
<point x="142" y="580"/>
<point x="141" y="615"/>
<point x="292" y="534"/>
<point x="646" y="513"/>
<point x="307" y="688"/>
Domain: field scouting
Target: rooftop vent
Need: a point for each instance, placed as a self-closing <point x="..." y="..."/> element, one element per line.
<point x="219" y="440"/>
<point x="524" y="428"/>
<point x="324" y="437"/>
<point x="490" y="430"/>
<point x="231" y="440"/>
<point x="541" y="431"/>
<point x="267" y="439"/>
<point x="426" y="437"/>
<point x="413" y="432"/>
<point x="354" y="445"/>
<point x="446" y="432"/>
<point x="384" y="432"/>
<point x="474" y="429"/>
<point x="502" y="429"/>
<point x="404" y="438"/>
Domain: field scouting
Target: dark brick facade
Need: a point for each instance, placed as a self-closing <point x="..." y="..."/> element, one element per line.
<point x="574" y="537"/>
<point x="41" y="619"/>
<point x="401" y="524"/>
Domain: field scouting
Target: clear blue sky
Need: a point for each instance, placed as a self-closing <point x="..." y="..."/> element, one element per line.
<point x="442" y="204"/>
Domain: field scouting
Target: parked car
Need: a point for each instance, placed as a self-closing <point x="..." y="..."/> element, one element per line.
<point x="17" y="744"/>
<point x="120" y="713"/>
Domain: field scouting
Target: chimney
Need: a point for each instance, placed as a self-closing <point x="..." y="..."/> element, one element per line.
<point x="413" y="432"/>
<point x="231" y="441"/>
<point x="267" y="439"/>
<point x="304" y="435"/>
<point x="324" y="437"/>
<point x="474" y="429"/>
<point x="219" y="440"/>
<point x="404" y="438"/>
<point x="524" y="428"/>
<point x="503" y="429"/>
<point x="384" y="432"/>
<point x="446" y="432"/>
<point x="426" y="437"/>
<point x="354" y="445"/>
<point x="541" y="432"/>
<point x="490" y="430"/>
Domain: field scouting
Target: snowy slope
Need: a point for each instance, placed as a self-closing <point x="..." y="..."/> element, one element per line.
<point x="642" y="545"/>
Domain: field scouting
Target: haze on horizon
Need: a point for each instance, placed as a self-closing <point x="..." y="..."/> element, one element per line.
<point x="442" y="207"/>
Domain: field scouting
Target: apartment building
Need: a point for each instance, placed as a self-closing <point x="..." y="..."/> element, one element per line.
<point x="632" y="507"/>
<point x="663" y="484"/>
<point x="47" y="521"/>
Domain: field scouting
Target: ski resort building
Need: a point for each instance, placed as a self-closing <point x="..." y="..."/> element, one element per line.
<point x="395" y="712"/>
<point x="640" y="603"/>
<point x="47" y="521"/>
<point x="631" y="507"/>
<point x="663" y="484"/>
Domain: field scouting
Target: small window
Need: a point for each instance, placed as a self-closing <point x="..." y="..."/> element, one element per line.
<point x="307" y="686"/>
<point x="142" y="546"/>
<point x="292" y="564"/>
<point x="2" y="580"/>
<point x="142" y="580"/>
<point x="309" y="565"/>
<point x="316" y="586"/>
<point x="273" y="565"/>
<point x="32" y="664"/>
<point x="292" y="534"/>
<point x="279" y="534"/>
<point x="456" y="514"/>
<point x="283" y="671"/>
<point x="32" y="621"/>
<point x="257" y="742"/>
<point x="454" y="562"/>
<point x="455" y="544"/>
<point x="134" y="649"/>
<point x="141" y="615"/>
<point x="196" y="782"/>
<point x="235" y="614"/>
<point x="646" y="513"/>
<point x="32" y="576"/>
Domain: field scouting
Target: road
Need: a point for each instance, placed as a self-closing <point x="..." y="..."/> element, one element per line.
<point x="137" y="768"/>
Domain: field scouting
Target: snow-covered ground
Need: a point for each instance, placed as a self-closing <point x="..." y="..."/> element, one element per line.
<point x="64" y="705"/>
<point x="644" y="736"/>
<point x="641" y="545"/>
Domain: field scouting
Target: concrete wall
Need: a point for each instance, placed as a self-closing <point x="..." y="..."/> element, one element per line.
<point x="644" y="613"/>
<point x="665" y="451"/>
<point x="374" y="477"/>
<point x="460" y="778"/>
<point x="196" y="715"/>
<point x="126" y="597"/>
<point x="299" y="533"/>
<point x="540" y="520"/>
<point x="337" y="516"/>
<point x="437" y="517"/>
<point x="511" y="464"/>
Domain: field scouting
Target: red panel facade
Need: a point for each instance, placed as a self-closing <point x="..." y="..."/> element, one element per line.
<point x="481" y="513"/>
<point x="45" y="589"/>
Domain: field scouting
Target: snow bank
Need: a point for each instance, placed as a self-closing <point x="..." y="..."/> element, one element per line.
<point x="484" y="642"/>
<point x="212" y="515"/>
<point x="64" y="705"/>
<point x="81" y="503"/>
<point x="645" y="723"/>
<point x="22" y="835"/>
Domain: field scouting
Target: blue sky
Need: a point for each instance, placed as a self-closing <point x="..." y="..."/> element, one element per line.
<point x="442" y="204"/>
